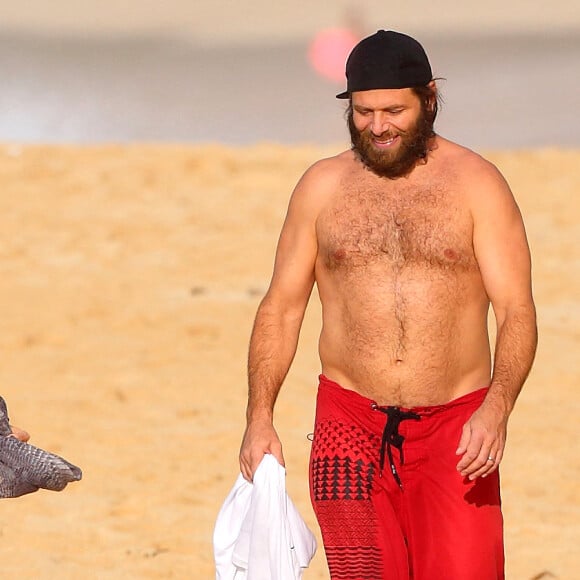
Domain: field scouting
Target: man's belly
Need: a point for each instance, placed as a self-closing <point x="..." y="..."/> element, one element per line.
<point x="422" y="347"/>
<point x="407" y="384"/>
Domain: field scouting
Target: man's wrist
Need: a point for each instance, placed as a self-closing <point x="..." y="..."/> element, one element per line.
<point x="259" y="416"/>
<point x="498" y="399"/>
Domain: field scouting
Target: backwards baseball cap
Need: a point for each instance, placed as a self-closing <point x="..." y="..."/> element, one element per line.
<point x="386" y="60"/>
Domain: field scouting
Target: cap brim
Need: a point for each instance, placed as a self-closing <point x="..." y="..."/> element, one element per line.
<point x="344" y="95"/>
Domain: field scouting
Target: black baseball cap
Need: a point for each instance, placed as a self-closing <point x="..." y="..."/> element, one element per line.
<point x="386" y="60"/>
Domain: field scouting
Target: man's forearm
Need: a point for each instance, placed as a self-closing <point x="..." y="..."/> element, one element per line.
<point x="515" y="349"/>
<point x="272" y="349"/>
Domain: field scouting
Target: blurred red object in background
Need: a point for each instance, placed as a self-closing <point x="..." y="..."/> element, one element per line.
<point x="329" y="50"/>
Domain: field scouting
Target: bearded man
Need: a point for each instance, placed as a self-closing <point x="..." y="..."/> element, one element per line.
<point x="409" y="238"/>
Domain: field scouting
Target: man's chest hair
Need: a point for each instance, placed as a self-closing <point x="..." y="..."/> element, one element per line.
<point x="400" y="223"/>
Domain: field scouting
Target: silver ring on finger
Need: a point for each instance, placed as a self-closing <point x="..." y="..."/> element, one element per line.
<point x="490" y="458"/>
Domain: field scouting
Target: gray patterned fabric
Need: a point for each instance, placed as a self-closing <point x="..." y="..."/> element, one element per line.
<point x="25" y="468"/>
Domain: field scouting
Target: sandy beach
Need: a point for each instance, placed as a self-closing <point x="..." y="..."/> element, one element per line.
<point x="130" y="278"/>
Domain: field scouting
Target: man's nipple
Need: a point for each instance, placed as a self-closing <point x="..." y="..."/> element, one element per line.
<point x="451" y="254"/>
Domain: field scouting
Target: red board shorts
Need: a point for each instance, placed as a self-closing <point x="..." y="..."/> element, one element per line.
<point x="416" y="518"/>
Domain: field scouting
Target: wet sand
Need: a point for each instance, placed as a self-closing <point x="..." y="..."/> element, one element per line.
<point x="130" y="278"/>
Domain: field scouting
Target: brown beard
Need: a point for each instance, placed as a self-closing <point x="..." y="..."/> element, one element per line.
<point x="413" y="147"/>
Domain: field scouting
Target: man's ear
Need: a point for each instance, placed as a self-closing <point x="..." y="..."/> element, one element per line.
<point x="433" y="97"/>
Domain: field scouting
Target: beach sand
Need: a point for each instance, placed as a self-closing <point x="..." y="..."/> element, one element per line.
<point x="130" y="278"/>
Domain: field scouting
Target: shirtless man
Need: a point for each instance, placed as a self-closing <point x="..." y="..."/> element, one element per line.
<point x="409" y="238"/>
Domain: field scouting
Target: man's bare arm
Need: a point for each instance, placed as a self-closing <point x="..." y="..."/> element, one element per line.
<point x="279" y="319"/>
<point x="503" y="255"/>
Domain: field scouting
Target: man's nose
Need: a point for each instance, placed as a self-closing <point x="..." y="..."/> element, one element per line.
<point x="379" y="123"/>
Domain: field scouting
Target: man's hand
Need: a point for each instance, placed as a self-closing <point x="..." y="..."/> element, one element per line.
<point x="482" y="441"/>
<point x="20" y="434"/>
<point x="259" y="438"/>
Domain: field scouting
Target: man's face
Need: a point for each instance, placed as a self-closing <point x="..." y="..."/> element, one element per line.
<point x="389" y="130"/>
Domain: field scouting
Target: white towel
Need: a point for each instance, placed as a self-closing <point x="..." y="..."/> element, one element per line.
<point x="259" y="534"/>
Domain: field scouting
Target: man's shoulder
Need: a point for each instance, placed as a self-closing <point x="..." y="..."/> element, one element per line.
<point x="319" y="183"/>
<point x="327" y="173"/>
<point x="332" y="167"/>
<point x="477" y="177"/>
<point x="466" y="162"/>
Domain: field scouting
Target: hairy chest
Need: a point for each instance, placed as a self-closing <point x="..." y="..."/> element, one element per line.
<point x="399" y="226"/>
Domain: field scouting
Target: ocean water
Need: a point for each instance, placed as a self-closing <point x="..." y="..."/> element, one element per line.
<point x="499" y="92"/>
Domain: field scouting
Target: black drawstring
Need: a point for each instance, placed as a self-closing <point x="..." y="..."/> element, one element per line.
<point x="392" y="437"/>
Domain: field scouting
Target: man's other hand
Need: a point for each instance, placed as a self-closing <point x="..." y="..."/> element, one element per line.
<point x="19" y="433"/>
